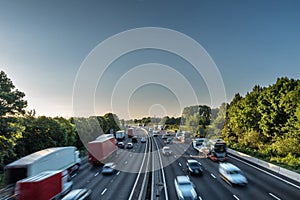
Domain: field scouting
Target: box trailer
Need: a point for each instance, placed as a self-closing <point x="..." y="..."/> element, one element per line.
<point x="57" y="158"/>
<point x="43" y="186"/>
<point x="101" y="149"/>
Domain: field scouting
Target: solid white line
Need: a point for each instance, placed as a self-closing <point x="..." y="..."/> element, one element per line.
<point x="274" y="196"/>
<point x="212" y="175"/>
<point x="96" y="174"/>
<point x="267" y="173"/>
<point x="102" y="193"/>
<point x="236" y="197"/>
<point x="118" y="173"/>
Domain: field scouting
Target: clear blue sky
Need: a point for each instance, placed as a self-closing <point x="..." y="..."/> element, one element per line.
<point x="43" y="44"/>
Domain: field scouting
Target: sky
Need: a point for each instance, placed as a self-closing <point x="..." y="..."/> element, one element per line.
<point x="54" y="52"/>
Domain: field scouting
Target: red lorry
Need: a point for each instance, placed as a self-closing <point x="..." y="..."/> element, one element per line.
<point x="44" y="186"/>
<point x="101" y="149"/>
<point x="130" y="132"/>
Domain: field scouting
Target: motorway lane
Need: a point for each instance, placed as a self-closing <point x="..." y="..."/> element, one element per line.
<point x="211" y="186"/>
<point x="117" y="186"/>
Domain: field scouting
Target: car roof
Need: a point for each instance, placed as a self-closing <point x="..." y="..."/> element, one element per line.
<point x="229" y="166"/>
<point x="109" y="164"/>
<point x="183" y="179"/>
<point x="192" y="161"/>
<point x="166" y="147"/>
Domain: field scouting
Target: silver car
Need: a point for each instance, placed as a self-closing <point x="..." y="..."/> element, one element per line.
<point x="109" y="168"/>
<point x="185" y="188"/>
<point x="232" y="174"/>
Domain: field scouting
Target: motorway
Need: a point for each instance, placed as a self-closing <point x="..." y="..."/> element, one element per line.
<point x="131" y="181"/>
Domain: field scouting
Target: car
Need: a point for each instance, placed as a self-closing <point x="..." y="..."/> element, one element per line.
<point x="232" y="174"/>
<point x="121" y="145"/>
<point x="108" y="168"/>
<point x="194" y="167"/>
<point x="185" y="188"/>
<point x="134" y="139"/>
<point x="168" y="133"/>
<point x="169" y="141"/>
<point x="167" y="151"/>
<point x="129" y="145"/>
<point x="143" y="140"/>
<point x="164" y="137"/>
<point x="78" y="194"/>
<point x="155" y="133"/>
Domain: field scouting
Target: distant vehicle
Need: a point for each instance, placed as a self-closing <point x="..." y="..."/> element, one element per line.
<point x="143" y="140"/>
<point x="78" y="194"/>
<point x="134" y="139"/>
<point x="130" y="132"/>
<point x="120" y="135"/>
<point x="194" y="167"/>
<point x="168" y="133"/>
<point x="155" y="133"/>
<point x="185" y="188"/>
<point x="232" y="174"/>
<point x="169" y="141"/>
<point x="121" y="145"/>
<point x="164" y="137"/>
<point x="179" y="135"/>
<point x="57" y="158"/>
<point x="198" y="143"/>
<point x="101" y="149"/>
<point x="129" y="145"/>
<point x="217" y="150"/>
<point x="167" y="151"/>
<point x="45" y="185"/>
<point x="108" y="168"/>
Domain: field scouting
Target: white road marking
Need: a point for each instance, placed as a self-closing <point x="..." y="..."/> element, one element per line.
<point x="200" y="198"/>
<point x="267" y="173"/>
<point x="96" y="174"/>
<point x="179" y="164"/>
<point x="73" y="175"/>
<point x="236" y="197"/>
<point x="126" y="162"/>
<point x="102" y="193"/>
<point x="130" y="155"/>
<point x="118" y="173"/>
<point x="213" y="175"/>
<point x="274" y="196"/>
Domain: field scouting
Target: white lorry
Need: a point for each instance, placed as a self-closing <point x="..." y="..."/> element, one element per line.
<point x="56" y="158"/>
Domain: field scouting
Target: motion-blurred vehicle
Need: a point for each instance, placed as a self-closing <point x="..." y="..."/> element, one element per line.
<point x="164" y="137"/>
<point x="185" y="188"/>
<point x="79" y="194"/>
<point x="129" y="145"/>
<point x="194" y="167"/>
<point x="232" y="174"/>
<point x="143" y="140"/>
<point x="108" y="168"/>
<point x="167" y="151"/>
<point x="155" y="133"/>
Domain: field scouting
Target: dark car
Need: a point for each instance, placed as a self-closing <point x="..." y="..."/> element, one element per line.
<point x="134" y="139"/>
<point x="194" y="167"/>
<point x="78" y="194"/>
<point x="121" y="145"/>
<point x="169" y="141"/>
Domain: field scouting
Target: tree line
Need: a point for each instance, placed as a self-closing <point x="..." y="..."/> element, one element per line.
<point x="264" y="123"/>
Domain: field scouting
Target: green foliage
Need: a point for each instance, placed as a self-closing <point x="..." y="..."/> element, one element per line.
<point x="266" y="121"/>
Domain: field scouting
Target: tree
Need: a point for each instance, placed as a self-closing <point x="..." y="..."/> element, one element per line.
<point x="12" y="104"/>
<point x="11" y="99"/>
